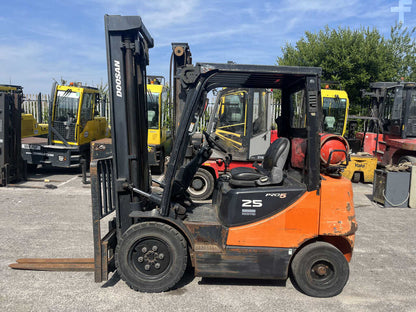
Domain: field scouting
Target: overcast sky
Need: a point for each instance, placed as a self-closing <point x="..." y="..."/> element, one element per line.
<point x="45" y="40"/>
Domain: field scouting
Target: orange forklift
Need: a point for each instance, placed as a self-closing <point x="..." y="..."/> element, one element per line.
<point x="262" y="223"/>
<point x="269" y="222"/>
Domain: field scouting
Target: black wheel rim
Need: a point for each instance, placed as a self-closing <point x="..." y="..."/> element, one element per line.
<point x="321" y="273"/>
<point x="198" y="186"/>
<point x="150" y="256"/>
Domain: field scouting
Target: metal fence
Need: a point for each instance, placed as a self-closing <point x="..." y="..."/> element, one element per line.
<point x="37" y="105"/>
<point x="203" y="121"/>
<point x="104" y="109"/>
<point x="31" y="106"/>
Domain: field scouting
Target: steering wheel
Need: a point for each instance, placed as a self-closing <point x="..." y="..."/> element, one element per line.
<point x="212" y="143"/>
<point x="71" y="116"/>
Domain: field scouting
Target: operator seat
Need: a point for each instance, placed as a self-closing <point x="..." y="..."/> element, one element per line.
<point x="269" y="173"/>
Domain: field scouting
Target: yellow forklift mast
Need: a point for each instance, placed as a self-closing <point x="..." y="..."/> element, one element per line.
<point x="159" y="134"/>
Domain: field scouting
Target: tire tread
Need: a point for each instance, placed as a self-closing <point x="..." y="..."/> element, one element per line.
<point x="159" y="225"/>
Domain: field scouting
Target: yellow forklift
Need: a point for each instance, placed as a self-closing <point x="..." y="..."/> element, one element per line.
<point x="335" y="106"/>
<point x="29" y="125"/>
<point x="73" y="123"/>
<point x="159" y="134"/>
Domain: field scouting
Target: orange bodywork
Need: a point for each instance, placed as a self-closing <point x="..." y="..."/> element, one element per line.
<point x="337" y="207"/>
<point x="337" y="214"/>
<point x="289" y="228"/>
<point x="328" y="214"/>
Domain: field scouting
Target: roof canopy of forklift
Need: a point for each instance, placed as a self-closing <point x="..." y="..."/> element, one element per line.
<point x="9" y="88"/>
<point x="390" y="84"/>
<point x="204" y="77"/>
<point x="254" y="76"/>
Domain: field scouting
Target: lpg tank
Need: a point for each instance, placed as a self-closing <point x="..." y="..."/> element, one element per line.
<point x="334" y="149"/>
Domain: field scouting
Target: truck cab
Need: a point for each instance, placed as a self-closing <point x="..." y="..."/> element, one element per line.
<point x="335" y="105"/>
<point x="74" y="122"/>
<point x="75" y="116"/>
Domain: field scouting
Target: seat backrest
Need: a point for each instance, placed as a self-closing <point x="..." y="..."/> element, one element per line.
<point x="150" y="115"/>
<point x="276" y="154"/>
<point x="329" y="121"/>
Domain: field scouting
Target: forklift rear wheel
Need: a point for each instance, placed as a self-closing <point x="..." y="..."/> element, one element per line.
<point x="151" y="257"/>
<point x="160" y="169"/>
<point x="320" y="270"/>
<point x="410" y="159"/>
<point x="31" y="167"/>
<point x="356" y="177"/>
<point x="202" y="185"/>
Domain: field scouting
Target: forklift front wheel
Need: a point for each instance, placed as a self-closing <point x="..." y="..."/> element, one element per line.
<point x="151" y="257"/>
<point x="356" y="177"/>
<point x="320" y="270"/>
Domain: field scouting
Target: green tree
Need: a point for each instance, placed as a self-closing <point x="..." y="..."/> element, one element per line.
<point x="403" y="44"/>
<point x="355" y="57"/>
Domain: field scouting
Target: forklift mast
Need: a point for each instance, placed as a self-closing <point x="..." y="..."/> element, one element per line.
<point x="181" y="56"/>
<point x="393" y="103"/>
<point x="128" y="41"/>
<point x="392" y="134"/>
<point x="12" y="167"/>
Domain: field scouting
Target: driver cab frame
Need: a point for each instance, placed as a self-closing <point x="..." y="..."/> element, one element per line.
<point x="263" y="228"/>
<point x="288" y="79"/>
<point x="242" y="122"/>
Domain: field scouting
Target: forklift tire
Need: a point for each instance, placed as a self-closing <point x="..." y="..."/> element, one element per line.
<point x="320" y="270"/>
<point x="356" y="177"/>
<point x="151" y="257"/>
<point x="405" y="159"/>
<point x="202" y="185"/>
<point x="160" y="169"/>
<point x="31" y="167"/>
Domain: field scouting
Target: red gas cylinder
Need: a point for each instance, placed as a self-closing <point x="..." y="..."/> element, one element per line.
<point x="336" y="144"/>
<point x="274" y="136"/>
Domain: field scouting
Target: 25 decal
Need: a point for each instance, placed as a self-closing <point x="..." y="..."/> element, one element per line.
<point x="250" y="203"/>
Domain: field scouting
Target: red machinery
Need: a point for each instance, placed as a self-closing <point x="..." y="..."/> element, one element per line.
<point x="392" y="135"/>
